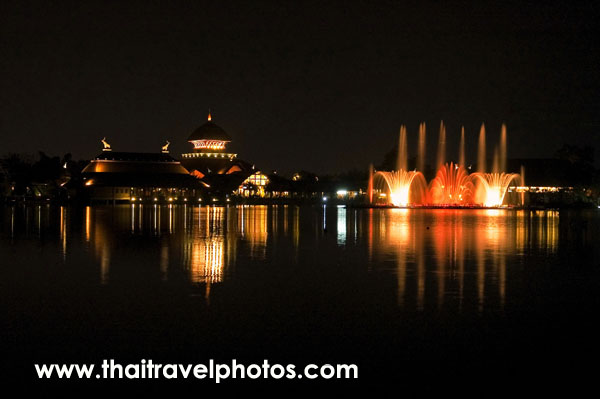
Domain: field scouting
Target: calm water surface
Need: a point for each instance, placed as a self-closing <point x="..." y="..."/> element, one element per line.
<point x="396" y="291"/>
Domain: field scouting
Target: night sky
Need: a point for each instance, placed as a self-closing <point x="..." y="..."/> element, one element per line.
<point x="321" y="86"/>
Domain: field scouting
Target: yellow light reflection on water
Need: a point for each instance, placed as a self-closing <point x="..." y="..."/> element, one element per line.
<point x="63" y="230"/>
<point x="207" y="258"/>
<point x="537" y="229"/>
<point x="253" y="226"/>
<point x="88" y="221"/>
<point x="102" y="245"/>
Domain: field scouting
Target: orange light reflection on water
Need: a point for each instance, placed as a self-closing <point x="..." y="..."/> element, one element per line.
<point x="482" y="239"/>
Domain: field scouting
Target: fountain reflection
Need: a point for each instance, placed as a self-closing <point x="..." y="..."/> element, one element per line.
<point x="456" y="258"/>
<point x="399" y="232"/>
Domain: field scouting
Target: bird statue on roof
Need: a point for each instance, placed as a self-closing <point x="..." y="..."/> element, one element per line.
<point x="165" y="148"/>
<point x="105" y="144"/>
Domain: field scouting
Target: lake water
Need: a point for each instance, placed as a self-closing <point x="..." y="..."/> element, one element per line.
<point x="416" y="298"/>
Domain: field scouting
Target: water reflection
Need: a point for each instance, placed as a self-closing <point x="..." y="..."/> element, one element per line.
<point x="253" y="222"/>
<point x="456" y="255"/>
<point x="341" y="225"/>
<point x="206" y="263"/>
<point x="435" y="259"/>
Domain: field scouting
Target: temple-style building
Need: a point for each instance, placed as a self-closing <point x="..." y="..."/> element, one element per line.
<point x="133" y="176"/>
<point x="210" y="154"/>
<point x="209" y="171"/>
<point x="212" y="163"/>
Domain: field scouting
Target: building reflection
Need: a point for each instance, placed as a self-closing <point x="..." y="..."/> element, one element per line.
<point x="205" y="247"/>
<point x="207" y="259"/>
<point x="341" y="225"/>
<point x="88" y="222"/>
<point x="205" y="235"/>
<point x="253" y="228"/>
<point x="164" y="260"/>
<point x="102" y="241"/>
<point x="63" y="230"/>
<point x="537" y="229"/>
<point x="296" y="231"/>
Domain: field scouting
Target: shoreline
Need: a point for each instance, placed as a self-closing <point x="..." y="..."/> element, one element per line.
<point x="296" y="202"/>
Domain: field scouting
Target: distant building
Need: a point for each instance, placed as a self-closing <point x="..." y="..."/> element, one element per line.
<point x="210" y="155"/>
<point x="208" y="171"/>
<point x="545" y="181"/>
<point x="212" y="163"/>
<point x="211" y="171"/>
<point x="133" y="176"/>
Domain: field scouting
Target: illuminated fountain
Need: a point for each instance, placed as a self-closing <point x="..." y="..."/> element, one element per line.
<point x="492" y="187"/>
<point x="397" y="185"/>
<point x="453" y="185"/>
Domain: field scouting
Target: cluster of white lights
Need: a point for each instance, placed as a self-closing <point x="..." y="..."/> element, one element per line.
<point x="171" y="199"/>
<point x="209" y="144"/>
<point x="520" y="189"/>
<point x="208" y="155"/>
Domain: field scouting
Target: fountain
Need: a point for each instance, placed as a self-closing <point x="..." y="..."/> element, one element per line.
<point x="421" y="149"/>
<point x="452" y="185"/>
<point x="441" y="155"/>
<point x="461" y="150"/>
<point x="493" y="187"/>
<point x="370" y="187"/>
<point x="396" y="185"/>
<point x="481" y="167"/>
<point x="503" y="148"/>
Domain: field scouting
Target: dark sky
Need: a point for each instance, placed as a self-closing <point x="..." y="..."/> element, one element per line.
<point x="321" y="85"/>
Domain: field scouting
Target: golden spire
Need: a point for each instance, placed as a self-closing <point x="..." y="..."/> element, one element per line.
<point x="209" y="117"/>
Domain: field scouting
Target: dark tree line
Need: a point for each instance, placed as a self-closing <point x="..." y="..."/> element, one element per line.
<point x="42" y="176"/>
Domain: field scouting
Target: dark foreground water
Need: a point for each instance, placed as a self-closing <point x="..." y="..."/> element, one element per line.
<point x="443" y="300"/>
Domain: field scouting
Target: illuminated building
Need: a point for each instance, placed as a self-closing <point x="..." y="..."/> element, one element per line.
<point x="211" y="172"/>
<point x="254" y="185"/>
<point x="212" y="162"/>
<point x="135" y="177"/>
<point x="546" y="182"/>
<point x="210" y="154"/>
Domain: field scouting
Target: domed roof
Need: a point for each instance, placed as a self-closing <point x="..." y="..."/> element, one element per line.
<point x="209" y="131"/>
